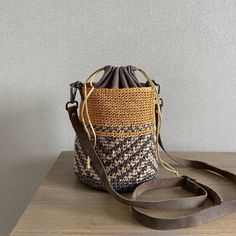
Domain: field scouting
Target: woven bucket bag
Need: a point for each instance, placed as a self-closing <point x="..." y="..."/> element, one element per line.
<point x="123" y="121"/>
<point x="117" y="148"/>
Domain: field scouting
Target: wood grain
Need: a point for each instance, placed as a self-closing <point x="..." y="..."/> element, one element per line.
<point x="63" y="206"/>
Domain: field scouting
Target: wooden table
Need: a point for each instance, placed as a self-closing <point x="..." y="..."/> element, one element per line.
<point x="64" y="206"/>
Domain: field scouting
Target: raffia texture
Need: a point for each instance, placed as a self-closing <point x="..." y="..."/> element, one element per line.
<point x="128" y="162"/>
<point x="124" y="122"/>
<point x="127" y="107"/>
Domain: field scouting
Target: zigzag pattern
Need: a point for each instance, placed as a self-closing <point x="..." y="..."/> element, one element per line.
<point x="128" y="162"/>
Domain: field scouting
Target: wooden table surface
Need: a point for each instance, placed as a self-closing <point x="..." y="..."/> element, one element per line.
<point x="64" y="206"/>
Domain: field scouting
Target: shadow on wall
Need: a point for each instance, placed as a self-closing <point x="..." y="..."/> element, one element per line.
<point x="28" y="144"/>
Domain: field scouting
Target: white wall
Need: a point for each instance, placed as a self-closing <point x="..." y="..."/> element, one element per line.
<point x="189" y="47"/>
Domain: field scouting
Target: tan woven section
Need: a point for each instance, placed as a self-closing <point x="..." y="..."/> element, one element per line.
<point x="122" y="107"/>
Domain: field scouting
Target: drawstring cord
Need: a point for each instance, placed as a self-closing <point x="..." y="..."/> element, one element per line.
<point x="165" y="165"/>
<point x="85" y="107"/>
<point x="159" y="117"/>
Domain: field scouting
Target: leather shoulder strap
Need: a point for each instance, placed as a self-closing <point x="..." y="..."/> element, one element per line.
<point x="219" y="207"/>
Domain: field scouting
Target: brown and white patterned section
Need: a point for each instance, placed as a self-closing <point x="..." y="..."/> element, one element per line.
<point x="128" y="162"/>
<point x="123" y="132"/>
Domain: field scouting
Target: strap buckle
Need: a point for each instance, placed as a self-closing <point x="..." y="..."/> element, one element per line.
<point x="69" y="104"/>
<point x="73" y="90"/>
<point x="188" y="178"/>
<point x="158" y="88"/>
<point x="161" y="100"/>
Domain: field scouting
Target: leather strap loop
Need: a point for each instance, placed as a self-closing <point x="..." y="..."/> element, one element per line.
<point x="178" y="203"/>
<point x="201" y="191"/>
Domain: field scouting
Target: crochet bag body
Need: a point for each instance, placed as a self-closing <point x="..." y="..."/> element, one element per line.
<point x="117" y="149"/>
<point x="122" y="115"/>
